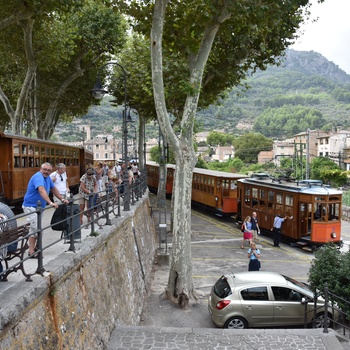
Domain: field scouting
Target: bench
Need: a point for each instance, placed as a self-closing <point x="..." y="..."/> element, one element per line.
<point x="19" y="233"/>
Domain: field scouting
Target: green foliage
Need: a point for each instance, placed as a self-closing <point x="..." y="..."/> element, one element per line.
<point x="324" y="169"/>
<point x="332" y="268"/>
<point x="155" y="153"/>
<point x="234" y="165"/>
<point x="248" y="146"/>
<point x="70" y="41"/>
<point x="201" y="163"/>
<point x="216" y="138"/>
<point x="288" y="120"/>
<point x="346" y="198"/>
<point x="300" y="82"/>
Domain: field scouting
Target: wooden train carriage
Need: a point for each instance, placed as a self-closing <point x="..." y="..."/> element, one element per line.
<point x="314" y="208"/>
<point x="152" y="169"/>
<point x="23" y="156"/>
<point x="213" y="189"/>
<point x="216" y="189"/>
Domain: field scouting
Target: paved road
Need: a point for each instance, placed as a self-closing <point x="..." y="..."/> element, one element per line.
<point x="215" y="251"/>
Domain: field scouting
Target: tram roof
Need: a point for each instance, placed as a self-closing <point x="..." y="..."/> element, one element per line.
<point x="304" y="186"/>
<point x="32" y="140"/>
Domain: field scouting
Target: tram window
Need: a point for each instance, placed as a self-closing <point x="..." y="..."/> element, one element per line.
<point x="37" y="162"/>
<point x="42" y="151"/>
<point x="30" y="150"/>
<point x="36" y="150"/>
<point x="279" y="198"/>
<point x="47" y="152"/>
<point x="31" y="162"/>
<point x="289" y="200"/>
<point x="271" y="196"/>
<point x="262" y="194"/>
<point x="24" y="149"/>
<point x="16" y="161"/>
<point x="52" y="152"/>
<point x="24" y="162"/>
<point x="334" y="211"/>
<point x="233" y="185"/>
<point x="16" y="148"/>
<point x="334" y="199"/>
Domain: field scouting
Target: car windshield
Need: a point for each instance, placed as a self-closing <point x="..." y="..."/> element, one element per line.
<point x="221" y="288"/>
<point x="299" y="284"/>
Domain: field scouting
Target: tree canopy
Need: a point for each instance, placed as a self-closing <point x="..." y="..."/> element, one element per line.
<point x="248" y="146"/>
<point x="57" y="61"/>
<point x="324" y="169"/>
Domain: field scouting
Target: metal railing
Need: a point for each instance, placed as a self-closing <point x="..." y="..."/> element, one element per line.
<point x="102" y="206"/>
<point x="333" y="315"/>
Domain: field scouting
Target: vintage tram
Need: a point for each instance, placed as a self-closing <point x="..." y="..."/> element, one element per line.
<point x="23" y="156"/>
<point x="314" y="209"/>
<point x="214" y="190"/>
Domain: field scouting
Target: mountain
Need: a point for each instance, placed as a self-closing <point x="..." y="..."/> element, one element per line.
<point x="305" y="91"/>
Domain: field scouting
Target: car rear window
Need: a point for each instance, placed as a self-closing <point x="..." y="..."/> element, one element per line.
<point x="221" y="288"/>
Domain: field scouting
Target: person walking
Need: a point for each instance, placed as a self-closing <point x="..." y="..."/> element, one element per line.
<point x="255" y="227"/>
<point x="88" y="185"/>
<point x="38" y="189"/>
<point x="247" y="234"/>
<point x="60" y="181"/>
<point x="254" y="256"/>
<point x="99" y="174"/>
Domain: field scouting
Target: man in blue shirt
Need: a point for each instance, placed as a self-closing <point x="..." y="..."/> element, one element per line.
<point x="39" y="187"/>
<point x="277" y="225"/>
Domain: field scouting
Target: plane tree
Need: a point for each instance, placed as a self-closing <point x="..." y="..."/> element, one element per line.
<point x="220" y="42"/>
<point x="51" y="53"/>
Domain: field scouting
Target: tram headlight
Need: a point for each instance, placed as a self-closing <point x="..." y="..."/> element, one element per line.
<point x="333" y="235"/>
<point x="216" y="198"/>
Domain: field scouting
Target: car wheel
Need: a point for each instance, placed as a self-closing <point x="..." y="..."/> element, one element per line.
<point x="236" y="323"/>
<point x="319" y="320"/>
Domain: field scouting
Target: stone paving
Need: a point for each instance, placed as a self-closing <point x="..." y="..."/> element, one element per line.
<point x="139" y="338"/>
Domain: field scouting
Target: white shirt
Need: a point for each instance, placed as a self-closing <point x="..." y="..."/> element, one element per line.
<point x="60" y="181"/>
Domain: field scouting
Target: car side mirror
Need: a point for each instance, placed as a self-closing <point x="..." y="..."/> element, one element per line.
<point x="303" y="300"/>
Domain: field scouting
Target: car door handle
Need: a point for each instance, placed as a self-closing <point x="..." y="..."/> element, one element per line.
<point x="279" y="307"/>
<point x="249" y="307"/>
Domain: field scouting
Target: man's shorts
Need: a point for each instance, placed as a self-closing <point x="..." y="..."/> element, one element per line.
<point x="32" y="219"/>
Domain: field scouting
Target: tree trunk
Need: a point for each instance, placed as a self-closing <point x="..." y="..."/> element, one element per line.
<point x="180" y="282"/>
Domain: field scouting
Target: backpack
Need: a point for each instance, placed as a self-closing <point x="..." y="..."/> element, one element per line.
<point x="243" y="228"/>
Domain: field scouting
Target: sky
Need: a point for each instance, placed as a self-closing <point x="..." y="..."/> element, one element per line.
<point x="330" y="35"/>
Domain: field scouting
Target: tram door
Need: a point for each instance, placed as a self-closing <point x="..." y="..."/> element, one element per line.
<point x="305" y="216"/>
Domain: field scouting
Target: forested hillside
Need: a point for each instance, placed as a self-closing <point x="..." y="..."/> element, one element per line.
<point x="305" y="91"/>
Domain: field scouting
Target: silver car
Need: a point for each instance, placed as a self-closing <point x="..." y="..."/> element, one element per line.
<point x="262" y="299"/>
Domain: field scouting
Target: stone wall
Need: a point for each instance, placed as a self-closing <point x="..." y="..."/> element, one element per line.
<point x="86" y="293"/>
<point x="345" y="213"/>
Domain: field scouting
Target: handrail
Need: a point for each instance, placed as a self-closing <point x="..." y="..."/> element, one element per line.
<point x="105" y="209"/>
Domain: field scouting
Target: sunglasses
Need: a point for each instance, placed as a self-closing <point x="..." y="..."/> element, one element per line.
<point x="45" y="169"/>
<point x="89" y="174"/>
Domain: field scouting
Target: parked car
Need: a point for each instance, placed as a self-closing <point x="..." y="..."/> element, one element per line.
<point x="263" y="299"/>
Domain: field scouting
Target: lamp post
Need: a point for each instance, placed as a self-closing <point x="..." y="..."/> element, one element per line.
<point x="98" y="92"/>
<point x="134" y="142"/>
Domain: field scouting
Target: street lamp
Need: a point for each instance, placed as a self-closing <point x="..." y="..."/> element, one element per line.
<point x="98" y="92"/>
<point x="134" y="142"/>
